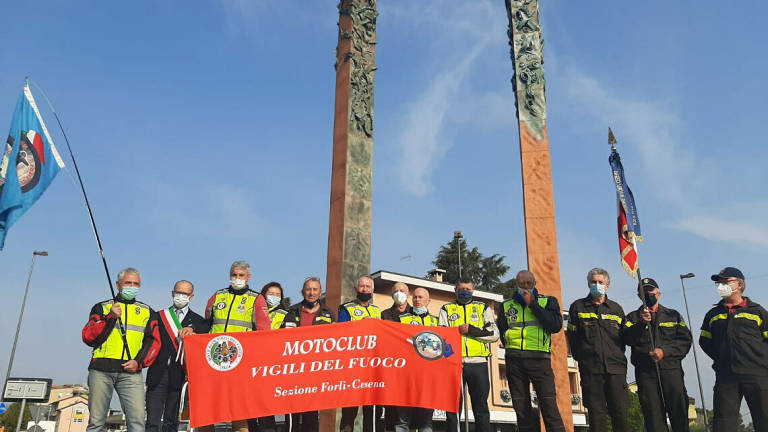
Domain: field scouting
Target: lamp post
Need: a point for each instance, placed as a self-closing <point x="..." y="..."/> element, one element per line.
<point x="458" y="236"/>
<point x="35" y="254"/>
<point x="693" y="346"/>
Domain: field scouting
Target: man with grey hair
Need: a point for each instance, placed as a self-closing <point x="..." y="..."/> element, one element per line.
<point x="734" y="335"/>
<point x="594" y="331"/>
<point x="237" y="308"/>
<point x="361" y="308"/>
<point x="120" y="351"/>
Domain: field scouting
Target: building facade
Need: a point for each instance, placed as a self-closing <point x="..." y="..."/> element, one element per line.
<point x="498" y="400"/>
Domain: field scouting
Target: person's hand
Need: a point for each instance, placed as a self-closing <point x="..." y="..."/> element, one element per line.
<point x="186" y="331"/>
<point x="463" y="328"/>
<point x="645" y="315"/>
<point x="131" y="366"/>
<point x="656" y="355"/>
<point x="115" y="310"/>
<point x="527" y="296"/>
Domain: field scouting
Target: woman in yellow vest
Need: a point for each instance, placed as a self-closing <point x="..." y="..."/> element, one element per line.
<point x="273" y="295"/>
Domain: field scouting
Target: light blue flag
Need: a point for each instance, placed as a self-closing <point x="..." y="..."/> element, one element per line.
<point x="28" y="165"/>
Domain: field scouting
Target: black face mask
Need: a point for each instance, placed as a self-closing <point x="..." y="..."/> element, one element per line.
<point x="650" y="299"/>
<point x="308" y="304"/>
<point x="364" y="297"/>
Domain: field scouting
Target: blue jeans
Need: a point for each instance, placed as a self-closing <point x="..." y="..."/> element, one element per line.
<point x="130" y="390"/>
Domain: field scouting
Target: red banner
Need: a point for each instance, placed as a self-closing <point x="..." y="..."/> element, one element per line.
<point x="235" y="376"/>
<point x="626" y="245"/>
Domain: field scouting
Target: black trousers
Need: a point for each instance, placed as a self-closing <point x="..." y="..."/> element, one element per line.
<point x="521" y="373"/>
<point x="163" y="405"/>
<point x="729" y="389"/>
<point x="604" y="395"/>
<point x="675" y="397"/>
<point x="261" y="424"/>
<point x="305" y="422"/>
<point x="478" y="386"/>
<point x="349" y="414"/>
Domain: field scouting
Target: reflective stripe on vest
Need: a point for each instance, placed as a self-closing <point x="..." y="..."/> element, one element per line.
<point x="470" y="347"/>
<point x="357" y="311"/>
<point x="135" y="317"/>
<point x="233" y="312"/>
<point x="426" y="320"/>
<point x="276" y="317"/>
<point x="525" y="332"/>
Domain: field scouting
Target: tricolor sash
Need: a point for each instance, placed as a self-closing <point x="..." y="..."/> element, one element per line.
<point x="172" y="326"/>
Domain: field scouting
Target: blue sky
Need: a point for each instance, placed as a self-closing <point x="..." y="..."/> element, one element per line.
<point x="203" y="132"/>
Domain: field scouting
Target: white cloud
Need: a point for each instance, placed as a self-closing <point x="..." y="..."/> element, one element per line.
<point x="422" y="141"/>
<point x="742" y="227"/>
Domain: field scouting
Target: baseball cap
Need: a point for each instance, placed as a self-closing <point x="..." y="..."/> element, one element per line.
<point x="728" y="272"/>
<point x="648" y="282"/>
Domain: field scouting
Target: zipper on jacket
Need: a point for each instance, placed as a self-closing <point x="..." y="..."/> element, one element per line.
<point x="466" y="338"/>
<point x="229" y="312"/>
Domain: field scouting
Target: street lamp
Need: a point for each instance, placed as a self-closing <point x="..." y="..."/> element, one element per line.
<point x="35" y="254"/>
<point x="693" y="346"/>
<point x="457" y="236"/>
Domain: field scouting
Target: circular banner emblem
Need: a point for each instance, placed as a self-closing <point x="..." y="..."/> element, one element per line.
<point x="429" y="345"/>
<point x="28" y="160"/>
<point x="224" y="353"/>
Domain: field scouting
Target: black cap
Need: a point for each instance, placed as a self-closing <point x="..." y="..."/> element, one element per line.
<point x="728" y="272"/>
<point x="648" y="282"/>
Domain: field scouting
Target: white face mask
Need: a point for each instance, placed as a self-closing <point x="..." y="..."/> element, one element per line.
<point x="273" y="301"/>
<point x="237" y="283"/>
<point x="180" y="301"/>
<point x="725" y="290"/>
<point x="399" y="297"/>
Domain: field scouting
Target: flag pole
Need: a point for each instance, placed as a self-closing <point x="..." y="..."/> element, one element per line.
<point x="90" y="212"/>
<point x="612" y="141"/>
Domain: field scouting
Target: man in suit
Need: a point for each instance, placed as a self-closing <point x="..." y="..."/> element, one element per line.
<point x="166" y="376"/>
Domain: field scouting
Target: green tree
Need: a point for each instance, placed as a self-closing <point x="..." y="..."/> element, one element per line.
<point x="486" y="272"/>
<point x="634" y="414"/>
<point x="10" y="417"/>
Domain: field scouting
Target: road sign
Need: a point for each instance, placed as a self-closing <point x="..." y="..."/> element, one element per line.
<point x="3" y="408"/>
<point x="34" y="389"/>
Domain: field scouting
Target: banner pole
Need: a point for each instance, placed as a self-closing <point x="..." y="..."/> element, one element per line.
<point x="650" y="325"/>
<point x="90" y="213"/>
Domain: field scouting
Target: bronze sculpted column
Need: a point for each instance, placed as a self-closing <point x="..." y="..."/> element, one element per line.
<point x="525" y="42"/>
<point x="349" y="230"/>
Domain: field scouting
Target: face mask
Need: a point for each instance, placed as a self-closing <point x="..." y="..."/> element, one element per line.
<point x="180" y="301"/>
<point x="309" y="304"/>
<point x="724" y="290"/>
<point x="129" y="293"/>
<point x="650" y="299"/>
<point x="364" y="297"/>
<point x="273" y="301"/>
<point x="399" y="297"/>
<point x="464" y="296"/>
<point x="237" y="283"/>
<point x="597" y="290"/>
<point x="420" y="310"/>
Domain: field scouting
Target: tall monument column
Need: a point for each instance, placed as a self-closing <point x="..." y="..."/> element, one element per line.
<point x="349" y="230"/>
<point x="538" y="198"/>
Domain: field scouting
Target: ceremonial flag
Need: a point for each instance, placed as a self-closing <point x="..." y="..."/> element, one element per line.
<point x="628" y="221"/>
<point x="28" y="165"/>
<point x="235" y="376"/>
